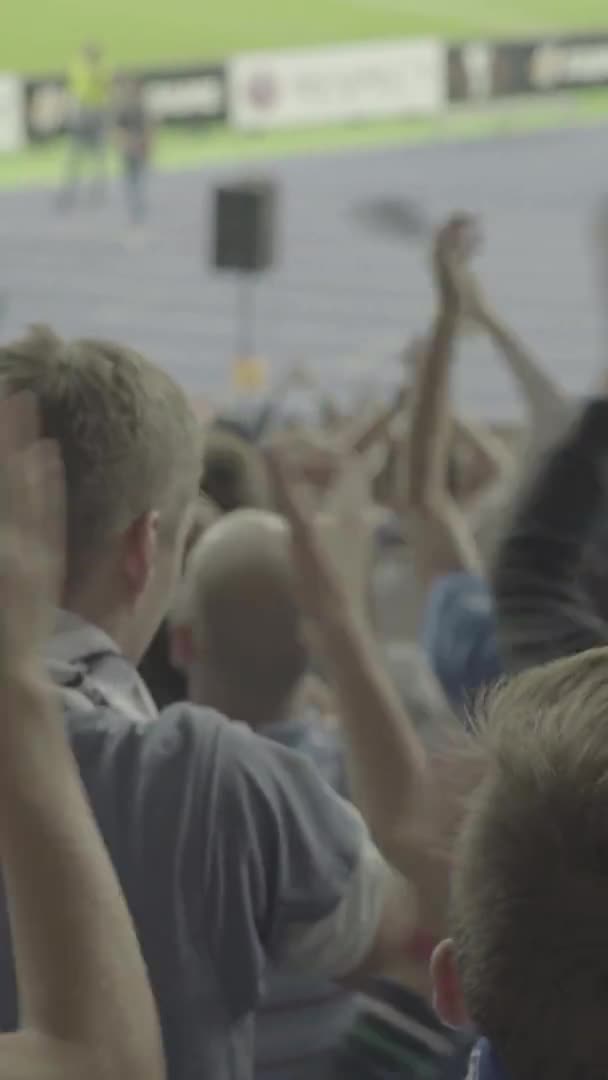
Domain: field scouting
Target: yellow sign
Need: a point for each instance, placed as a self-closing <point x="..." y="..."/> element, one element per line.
<point x="250" y="376"/>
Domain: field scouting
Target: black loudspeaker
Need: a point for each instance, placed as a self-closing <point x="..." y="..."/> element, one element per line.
<point x="245" y="226"/>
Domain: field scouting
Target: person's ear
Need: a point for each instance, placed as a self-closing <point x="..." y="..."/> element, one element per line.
<point x="448" y="998"/>
<point x="140" y="548"/>
<point x="181" y="647"/>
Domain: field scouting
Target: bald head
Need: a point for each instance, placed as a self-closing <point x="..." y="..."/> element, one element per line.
<point x="241" y="607"/>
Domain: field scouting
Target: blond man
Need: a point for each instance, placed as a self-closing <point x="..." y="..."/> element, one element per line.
<point x="230" y="850"/>
<point x="527" y="963"/>
<point x="84" y="1009"/>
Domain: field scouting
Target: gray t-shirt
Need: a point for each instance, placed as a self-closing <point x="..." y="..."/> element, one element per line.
<point x="229" y="850"/>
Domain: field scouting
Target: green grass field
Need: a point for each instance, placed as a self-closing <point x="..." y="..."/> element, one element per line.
<point x="41" y="35"/>
<point x="177" y="150"/>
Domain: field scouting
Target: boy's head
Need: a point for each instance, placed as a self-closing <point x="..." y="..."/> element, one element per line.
<point x="238" y="631"/>
<point x="131" y="449"/>
<point x="528" y="963"/>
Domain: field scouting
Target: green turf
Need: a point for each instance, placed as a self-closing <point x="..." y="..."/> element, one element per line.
<point x="181" y="150"/>
<point x="41" y="35"/>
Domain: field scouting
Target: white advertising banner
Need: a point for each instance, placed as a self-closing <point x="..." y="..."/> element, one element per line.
<point x="336" y="85"/>
<point x="12" y="114"/>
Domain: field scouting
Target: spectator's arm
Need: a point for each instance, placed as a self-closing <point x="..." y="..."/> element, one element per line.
<point x="542" y="612"/>
<point x="292" y="876"/>
<point x="492" y="462"/>
<point x="441" y="540"/>
<point x="361" y="437"/>
<point x="388" y="765"/>
<point x="547" y="404"/>
<point x="85" y="1006"/>
<point x="430" y="433"/>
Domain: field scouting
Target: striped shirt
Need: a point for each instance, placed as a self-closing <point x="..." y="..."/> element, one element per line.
<point x="398" y="1037"/>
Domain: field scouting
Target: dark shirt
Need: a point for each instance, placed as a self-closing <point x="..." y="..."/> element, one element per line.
<point x="544" y="611"/>
<point x="166" y="684"/>
<point x="223" y="844"/>
<point x="132" y="121"/>
<point x="484" y="1064"/>
<point x="397" y="1036"/>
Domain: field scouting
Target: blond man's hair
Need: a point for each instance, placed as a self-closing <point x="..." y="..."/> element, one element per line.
<point x="530" y="889"/>
<point x="130" y="441"/>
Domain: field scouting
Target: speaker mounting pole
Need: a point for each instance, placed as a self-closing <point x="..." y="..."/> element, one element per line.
<point x="245" y="316"/>
<point x="243" y="243"/>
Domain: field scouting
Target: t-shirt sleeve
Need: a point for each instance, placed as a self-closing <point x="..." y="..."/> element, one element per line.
<point x="459" y="636"/>
<point x="290" y="873"/>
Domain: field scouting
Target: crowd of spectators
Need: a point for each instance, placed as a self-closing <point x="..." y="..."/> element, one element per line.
<point x="328" y="797"/>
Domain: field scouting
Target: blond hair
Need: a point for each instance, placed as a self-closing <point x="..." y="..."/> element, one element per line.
<point x="530" y="889"/>
<point x="129" y="439"/>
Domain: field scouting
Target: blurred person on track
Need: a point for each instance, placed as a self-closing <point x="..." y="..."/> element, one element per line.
<point x="90" y="89"/>
<point x="133" y="136"/>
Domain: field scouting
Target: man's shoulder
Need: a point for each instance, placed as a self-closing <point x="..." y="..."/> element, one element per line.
<point x="319" y="740"/>
<point x="186" y="744"/>
<point x="180" y="725"/>
<point x="185" y="739"/>
<point x="194" y="766"/>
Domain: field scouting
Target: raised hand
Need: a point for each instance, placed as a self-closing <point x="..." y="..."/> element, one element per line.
<point x="32" y="537"/>
<point x="455" y="245"/>
<point x="320" y="587"/>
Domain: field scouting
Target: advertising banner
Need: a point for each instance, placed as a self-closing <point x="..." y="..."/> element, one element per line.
<point x="12" y="125"/>
<point x="483" y="71"/>
<point x="267" y="91"/>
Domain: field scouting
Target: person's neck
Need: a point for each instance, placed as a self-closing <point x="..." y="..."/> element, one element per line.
<point x="116" y="622"/>
<point x="213" y="694"/>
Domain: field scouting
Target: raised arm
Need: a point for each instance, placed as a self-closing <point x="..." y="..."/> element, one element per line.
<point x="543" y="612"/>
<point x="441" y="539"/>
<point x="548" y="405"/>
<point x="361" y="437"/>
<point x="387" y="761"/>
<point x="85" y="1006"/>
<point x="492" y="458"/>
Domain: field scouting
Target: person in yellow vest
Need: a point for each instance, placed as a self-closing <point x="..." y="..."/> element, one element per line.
<point x="90" y="90"/>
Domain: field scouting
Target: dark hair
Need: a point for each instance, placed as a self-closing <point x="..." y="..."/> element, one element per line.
<point x="593" y="573"/>
<point x="234" y="472"/>
<point x="166" y="684"/>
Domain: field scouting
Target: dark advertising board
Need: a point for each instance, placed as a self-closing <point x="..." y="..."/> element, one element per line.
<point x="480" y="71"/>
<point x="194" y="96"/>
<point x="484" y="71"/>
